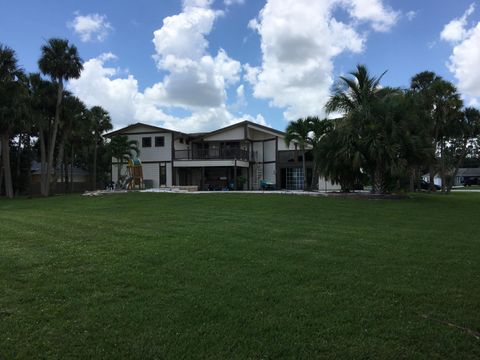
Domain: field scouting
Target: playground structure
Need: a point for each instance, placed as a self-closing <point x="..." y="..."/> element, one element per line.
<point x="134" y="175"/>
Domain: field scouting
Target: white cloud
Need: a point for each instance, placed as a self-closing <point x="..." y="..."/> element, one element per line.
<point x="463" y="62"/>
<point x="411" y="15"/>
<point x="195" y="80"/>
<point x="233" y="2"/>
<point x="375" y="12"/>
<point x="456" y="30"/>
<point x="297" y="55"/>
<point x="91" y="27"/>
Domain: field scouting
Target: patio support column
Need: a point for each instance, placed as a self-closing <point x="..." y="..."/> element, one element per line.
<point x="202" y="179"/>
<point x="235" y="175"/>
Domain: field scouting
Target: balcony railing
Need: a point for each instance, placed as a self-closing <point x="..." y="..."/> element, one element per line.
<point x="212" y="154"/>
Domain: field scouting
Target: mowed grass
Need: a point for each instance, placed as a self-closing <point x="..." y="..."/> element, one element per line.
<point x="231" y="276"/>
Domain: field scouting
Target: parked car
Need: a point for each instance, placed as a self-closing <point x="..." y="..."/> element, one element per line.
<point x="426" y="186"/>
<point x="471" y="181"/>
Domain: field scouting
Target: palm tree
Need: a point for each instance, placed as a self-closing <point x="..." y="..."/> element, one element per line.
<point x="319" y="129"/>
<point x="338" y="157"/>
<point x="61" y="62"/>
<point x="359" y="98"/>
<point x="100" y="122"/>
<point x="11" y="87"/>
<point x="74" y="115"/>
<point x="298" y="132"/>
<point x="122" y="150"/>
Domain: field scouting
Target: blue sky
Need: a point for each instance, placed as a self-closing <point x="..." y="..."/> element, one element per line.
<point x="199" y="64"/>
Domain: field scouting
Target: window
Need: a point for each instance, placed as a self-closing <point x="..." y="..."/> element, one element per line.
<point x="159" y="141"/>
<point x="181" y="140"/>
<point x="146" y="142"/>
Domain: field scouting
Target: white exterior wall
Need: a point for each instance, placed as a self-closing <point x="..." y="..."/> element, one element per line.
<point x="237" y="133"/>
<point x="153" y="153"/>
<point x="326" y="185"/>
<point x="270" y="150"/>
<point x="258" y="150"/>
<point x="269" y="172"/>
<point x="152" y="172"/>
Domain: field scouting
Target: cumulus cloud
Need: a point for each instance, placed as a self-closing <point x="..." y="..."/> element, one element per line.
<point x="195" y="80"/>
<point x="456" y="30"/>
<point x="91" y="27"/>
<point x="297" y="55"/>
<point x="463" y="62"/>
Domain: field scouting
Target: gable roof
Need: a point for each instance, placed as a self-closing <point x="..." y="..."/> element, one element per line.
<point x="242" y="124"/>
<point x="137" y="125"/>
<point x="196" y="135"/>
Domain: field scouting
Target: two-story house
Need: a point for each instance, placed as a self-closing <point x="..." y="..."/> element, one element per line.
<point x="243" y="156"/>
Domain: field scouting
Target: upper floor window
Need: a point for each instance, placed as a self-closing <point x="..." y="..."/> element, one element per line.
<point x="146" y="142"/>
<point x="159" y="141"/>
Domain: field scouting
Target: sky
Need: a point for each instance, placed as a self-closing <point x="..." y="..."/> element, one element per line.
<point x="197" y="65"/>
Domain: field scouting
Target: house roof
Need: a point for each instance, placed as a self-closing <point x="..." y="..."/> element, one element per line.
<point x="36" y="168"/>
<point x="468" y="172"/>
<point x="137" y="125"/>
<point x="196" y="135"/>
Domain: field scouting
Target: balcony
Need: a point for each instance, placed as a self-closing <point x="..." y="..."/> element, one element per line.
<point x="212" y="154"/>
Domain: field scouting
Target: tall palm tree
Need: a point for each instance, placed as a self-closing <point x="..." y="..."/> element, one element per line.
<point x="100" y="122"/>
<point x="59" y="60"/>
<point x="298" y="132"/>
<point x="11" y="86"/>
<point x="122" y="150"/>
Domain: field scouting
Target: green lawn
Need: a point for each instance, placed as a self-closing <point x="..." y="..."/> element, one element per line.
<point x="230" y="276"/>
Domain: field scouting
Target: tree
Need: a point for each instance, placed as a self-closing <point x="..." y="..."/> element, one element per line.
<point x="11" y="88"/>
<point x="298" y="132"/>
<point x="361" y="100"/>
<point x="319" y="129"/>
<point x="440" y="104"/>
<point x="61" y="62"/>
<point x="122" y="150"/>
<point x="75" y="116"/>
<point x="100" y="122"/>
<point x="462" y="142"/>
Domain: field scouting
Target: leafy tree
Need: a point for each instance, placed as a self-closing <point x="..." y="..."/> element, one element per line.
<point x="298" y="132"/>
<point x="440" y="105"/>
<point x="59" y="60"/>
<point x="462" y="142"/>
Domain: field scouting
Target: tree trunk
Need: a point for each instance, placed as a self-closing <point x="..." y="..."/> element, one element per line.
<point x="379" y="180"/>
<point x="304" y="170"/>
<point x="442" y="165"/>
<point x="53" y="138"/>
<point x="94" y="176"/>
<point x="43" y="163"/>
<point x="18" y="164"/>
<point x="72" y="157"/>
<point x="119" y="172"/>
<point x="412" y="179"/>
<point x="432" y="178"/>
<point x="7" y="172"/>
